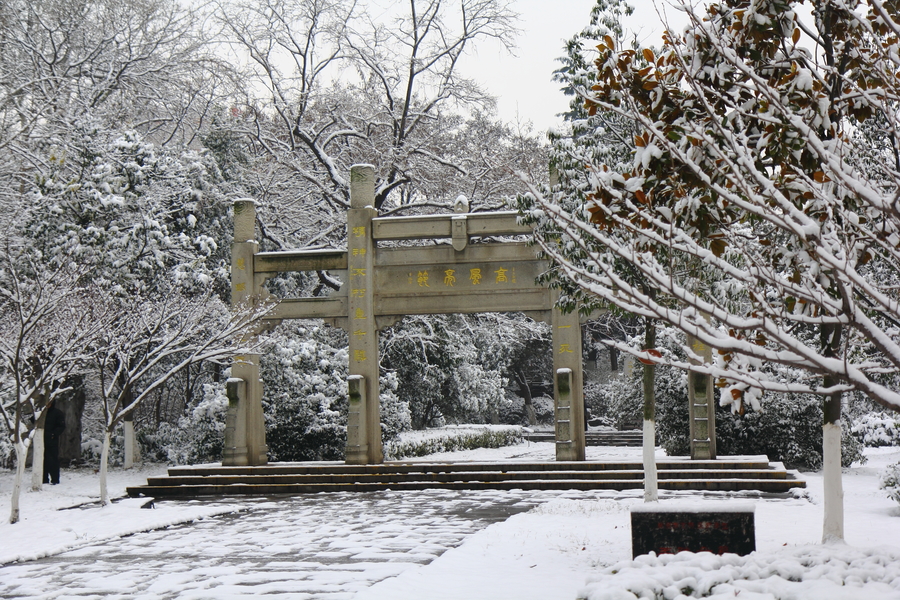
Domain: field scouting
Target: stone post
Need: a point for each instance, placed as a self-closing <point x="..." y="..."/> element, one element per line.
<point x="364" y="418"/>
<point x="245" y="433"/>
<point x="701" y="402"/>
<point x="132" y="449"/>
<point x="567" y="369"/>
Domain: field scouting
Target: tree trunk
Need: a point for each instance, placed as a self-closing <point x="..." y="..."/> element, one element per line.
<point x="21" y="453"/>
<point x="651" y="486"/>
<point x="104" y="459"/>
<point x="833" y="521"/>
<point x="530" y="414"/>
<point x="37" y="457"/>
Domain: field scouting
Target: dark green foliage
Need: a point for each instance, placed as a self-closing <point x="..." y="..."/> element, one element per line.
<point x="787" y="429"/>
<point x="305" y="396"/>
<point x="452" y="440"/>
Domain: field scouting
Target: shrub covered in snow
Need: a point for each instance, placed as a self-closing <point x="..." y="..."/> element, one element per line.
<point x="451" y="439"/>
<point x="786" y="429"/>
<point x="877" y="429"/>
<point x="622" y="398"/>
<point x="7" y="453"/>
<point x="450" y="368"/>
<point x="198" y="437"/>
<point x="305" y="396"/>
<point x="890" y="481"/>
<point x="512" y="410"/>
<point x="808" y="572"/>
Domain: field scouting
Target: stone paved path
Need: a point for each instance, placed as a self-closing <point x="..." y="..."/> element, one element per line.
<point x="326" y="546"/>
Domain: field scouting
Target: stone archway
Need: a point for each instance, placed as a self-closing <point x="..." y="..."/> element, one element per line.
<point x="385" y="284"/>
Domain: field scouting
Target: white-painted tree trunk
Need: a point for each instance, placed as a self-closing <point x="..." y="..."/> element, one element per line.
<point x="104" y="459"/>
<point x="833" y="522"/>
<point x="37" y="461"/>
<point x="21" y="454"/>
<point x="651" y="487"/>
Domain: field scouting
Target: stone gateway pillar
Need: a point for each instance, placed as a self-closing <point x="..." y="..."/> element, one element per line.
<point x="702" y="406"/>
<point x="364" y="418"/>
<point x="245" y="431"/>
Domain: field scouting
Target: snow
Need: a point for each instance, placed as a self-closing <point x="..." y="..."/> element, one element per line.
<point x="683" y="506"/>
<point x="565" y="547"/>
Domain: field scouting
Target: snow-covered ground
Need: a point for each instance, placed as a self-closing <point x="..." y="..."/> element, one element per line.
<point x="551" y="551"/>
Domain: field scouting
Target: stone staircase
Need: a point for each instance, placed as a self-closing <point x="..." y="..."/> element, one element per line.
<point x="724" y="474"/>
<point x="594" y="438"/>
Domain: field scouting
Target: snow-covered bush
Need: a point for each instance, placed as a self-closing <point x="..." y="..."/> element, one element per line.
<point x="512" y="410"/>
<point x="197" y="437"/>
<point x="305" y="395"/>
<point x="7" y="453"/>
<point x="92" y="448"/>
<point x="452" y="438"/>
<point x="455" y="368"/>
<point x="305" y="370"/>
<point x="830" y="571"/>
<point x="877" y="429"/>
<point x="890" y="482"/>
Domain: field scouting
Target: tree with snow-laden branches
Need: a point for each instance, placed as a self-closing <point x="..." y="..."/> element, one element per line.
<point x="151" y="339"/>
<point x="48" y="321"/>
<point x="761" y="203"/>
<point x="337" y="83"/>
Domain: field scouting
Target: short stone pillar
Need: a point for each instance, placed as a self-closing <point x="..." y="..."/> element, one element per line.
<point x="716" y="527"/>
<point x="132" y="448"/>
<point x="568" y="393"/>
<point x="245" y="432"/>
<point x="702" y="406"/>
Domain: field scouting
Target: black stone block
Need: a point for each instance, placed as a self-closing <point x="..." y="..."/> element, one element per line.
<point x="669" y="531"/>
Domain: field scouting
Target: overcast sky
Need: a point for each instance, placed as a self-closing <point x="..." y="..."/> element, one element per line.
<point x="522" y="83"/>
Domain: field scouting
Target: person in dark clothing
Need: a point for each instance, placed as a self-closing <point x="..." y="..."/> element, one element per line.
<point x="54" y="426"/>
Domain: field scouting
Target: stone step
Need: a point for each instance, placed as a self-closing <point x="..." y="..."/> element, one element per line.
<point x="445" y="477"/>
<point x="189" y="491"/>
<point x="214" y="480"/>
<point x="447" y="467"/>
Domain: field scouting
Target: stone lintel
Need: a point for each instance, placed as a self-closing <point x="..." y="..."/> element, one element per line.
<point x="301" y="260"/>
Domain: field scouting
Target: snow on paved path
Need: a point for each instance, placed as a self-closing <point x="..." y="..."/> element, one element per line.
<point x="325" y="546"/>
<point x="439" y="544"/>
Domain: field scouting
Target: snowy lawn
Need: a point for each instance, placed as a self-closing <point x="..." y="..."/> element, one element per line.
<point x="567" y="547"/>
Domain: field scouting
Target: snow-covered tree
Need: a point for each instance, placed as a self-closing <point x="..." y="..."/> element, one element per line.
<point x="152" y="337"/>
<point x="749" y="206"/>
<point x="601" y="137"/>
<point x="451" y="368"/>
<point x="140" y="213"/>
<point x="49" y="320"/>
<point x="138" y="64"/>
<point x="332" y="84"/>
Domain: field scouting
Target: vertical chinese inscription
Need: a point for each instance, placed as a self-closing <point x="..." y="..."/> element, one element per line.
<point x="363" y="420"/>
